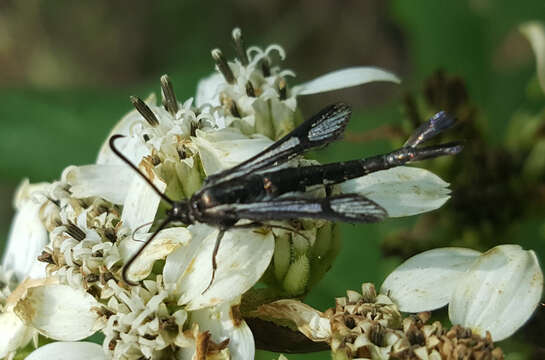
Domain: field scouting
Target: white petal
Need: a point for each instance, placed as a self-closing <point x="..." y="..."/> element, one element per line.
<point x="426" y="281"/>
<point x="26" y="192"/>
<point x="283" y="118"/>
<point x="224" y="322"/>
<point x="132" y="147"/>
<point x="110" y="182"/>
<point x="68" y="351"/>
<point x="14" y="333"/>
<point x="226" y="148"/>
<point x="242" y="258"/>
<point x="535" y="33"/>
<point x="499" y="293"/>
<point x="345" y="78"/>
<point x="38" y="270"/>
<point x="311" y="322"/>
<point x="59" y="312"/>
<point x="208" y="90"/>
<point x="27" y="238"/>
<point x="402" y="191"/>
<point x="141" y="203"/>
<point x="164" y="243"/>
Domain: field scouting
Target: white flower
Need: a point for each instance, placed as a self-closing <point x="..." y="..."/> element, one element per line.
<point x="243" y="257"/>
<point x="534" y="31"/>
<point x="344" y="78"/>
<point x="27" y="238"/>
<point x="27" y="235"/>
<point x="52" y="308"/>
<point x="99" y="215"/>
<point x="496" y="291"/>
<point x="143" y="321"/>
<point x="362" y="325"/>
<point x="14" y="333"/>
<point x="163" y="140"/>
<point x="224" y="324"/>
<point x="68" y="350"/>
<point x="252" y="94"/>
<point x="402" y="191"/>
<point x="151" y="126"/>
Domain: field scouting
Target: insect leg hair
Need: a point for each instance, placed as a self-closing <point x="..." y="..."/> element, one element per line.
<point x="127" y="161"/>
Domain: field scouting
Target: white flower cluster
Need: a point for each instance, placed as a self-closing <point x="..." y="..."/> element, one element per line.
<point x="85" y="227"/>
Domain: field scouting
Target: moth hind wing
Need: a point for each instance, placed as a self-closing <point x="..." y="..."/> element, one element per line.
<point x="355" y="208"/>
<point x="345" y="207"/>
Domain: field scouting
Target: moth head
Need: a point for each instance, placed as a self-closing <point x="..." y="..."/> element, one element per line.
<point x="180" y="212"/>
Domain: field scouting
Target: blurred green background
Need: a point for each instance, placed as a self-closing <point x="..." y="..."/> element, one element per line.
<point x="67" y="69"/>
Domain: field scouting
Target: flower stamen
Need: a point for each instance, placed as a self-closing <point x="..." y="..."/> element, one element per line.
<point x="376" y="335"/>
<point x="265" y="65"/>
<point x="169" y="97"/>
<point x="233" y="109"/>
<point x="74" y="231"/>
<point x="250" y="91"/>
<point x="46" y="257"/>
<point x="223" y="66"/>
<point x="239" y="46"/>
<point x="282" y="89"/>
<point x="145" y="111"/>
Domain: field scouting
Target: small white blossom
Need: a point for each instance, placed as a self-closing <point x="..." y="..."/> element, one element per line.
<point x="496" y="291"/>
<point x="143" y="321"/>
<point x="140" y="323"/>
<point x="83" y="251"/>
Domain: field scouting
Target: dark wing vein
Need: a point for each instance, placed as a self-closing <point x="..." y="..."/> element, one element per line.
<point x="344" y="207"/>
<point x="319" y="130"/>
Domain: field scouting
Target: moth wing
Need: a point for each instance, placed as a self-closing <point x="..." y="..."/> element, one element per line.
<point x="345" y="207"/>
<point x="319" y="130"/>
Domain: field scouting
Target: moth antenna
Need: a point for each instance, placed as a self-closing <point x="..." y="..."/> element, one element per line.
<point x="128" y="162"/>
<point x="138" y="228"/>
<point x="133" y="258"/>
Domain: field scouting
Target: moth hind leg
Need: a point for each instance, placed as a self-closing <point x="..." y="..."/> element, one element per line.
<point x="253" y="224"/>
<point x="214" y="262"/>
